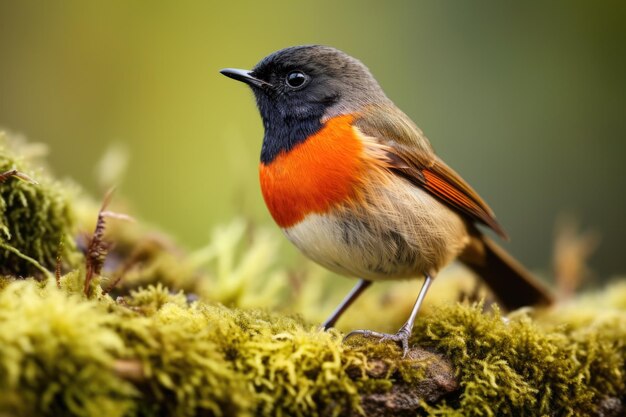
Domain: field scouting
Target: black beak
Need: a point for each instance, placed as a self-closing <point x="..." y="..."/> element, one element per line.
<point x="245" y="77"/>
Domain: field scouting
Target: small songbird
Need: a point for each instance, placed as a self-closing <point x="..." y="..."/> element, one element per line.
<point x="357" y="187"/>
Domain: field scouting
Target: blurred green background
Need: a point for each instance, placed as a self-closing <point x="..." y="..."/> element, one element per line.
<point x="527" y="100"/>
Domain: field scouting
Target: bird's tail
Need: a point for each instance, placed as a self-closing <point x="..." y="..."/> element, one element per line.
<point x="512" y="284"/>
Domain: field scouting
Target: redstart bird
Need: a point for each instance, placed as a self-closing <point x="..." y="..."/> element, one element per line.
<point x="357" y="187"/>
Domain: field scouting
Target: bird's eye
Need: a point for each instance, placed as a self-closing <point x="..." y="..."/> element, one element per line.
<point x="297" y="79"/>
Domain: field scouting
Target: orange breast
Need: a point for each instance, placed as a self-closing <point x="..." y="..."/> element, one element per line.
<point x="315" y="175"/>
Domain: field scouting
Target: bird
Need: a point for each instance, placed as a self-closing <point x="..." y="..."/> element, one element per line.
<point x="356" y="186"/>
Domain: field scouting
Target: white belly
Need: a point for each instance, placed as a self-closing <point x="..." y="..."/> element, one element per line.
<point x="405" y="233"/>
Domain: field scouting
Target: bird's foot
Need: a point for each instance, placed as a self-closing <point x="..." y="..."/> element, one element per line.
<point x="402" y="337"/>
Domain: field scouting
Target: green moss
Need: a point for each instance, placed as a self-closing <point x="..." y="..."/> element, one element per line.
<point x="238" y="362"/>
<point x="518" y="367"/>
<point x="56" y="355"/>
<point x="36" y="221"/>
<point x="193" y="358"/>
<point x="64" y="353"/>
<point x="178" y="347"/>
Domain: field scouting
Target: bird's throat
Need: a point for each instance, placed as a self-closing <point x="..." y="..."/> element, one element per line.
<point x="315" y="174"/>
<point x="283" y="135"/>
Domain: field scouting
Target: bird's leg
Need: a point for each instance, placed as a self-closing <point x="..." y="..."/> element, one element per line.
<point x="347" y="302"/>
<point x="402" y="336"/>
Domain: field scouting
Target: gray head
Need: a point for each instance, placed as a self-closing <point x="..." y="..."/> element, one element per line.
<point x="297" y="88"/>
<point x="297" y="82"/>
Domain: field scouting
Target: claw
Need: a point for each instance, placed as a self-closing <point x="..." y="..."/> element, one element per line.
<point x="404" y="333"/>
<point x="364" y="333"/>
<point x="402" y="337"/>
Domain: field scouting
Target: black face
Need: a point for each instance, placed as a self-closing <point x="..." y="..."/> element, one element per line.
<point x="295" y="87"/>
<point x="302" y="87"/>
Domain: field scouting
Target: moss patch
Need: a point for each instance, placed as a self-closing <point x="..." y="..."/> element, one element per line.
<point x="156" y="354"/>
<point x="56" y="355"/>
<point x="522" y="366"/>
<point x="36" y="220"/>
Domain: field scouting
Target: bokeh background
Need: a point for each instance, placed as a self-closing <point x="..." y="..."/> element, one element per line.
<point x="527" y="100"/>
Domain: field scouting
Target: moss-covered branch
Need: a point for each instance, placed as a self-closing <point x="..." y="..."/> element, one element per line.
<point x="157" y="354"/>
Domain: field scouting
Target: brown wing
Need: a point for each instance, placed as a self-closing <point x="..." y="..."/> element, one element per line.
<point x="445" y="183"/>
<point x="411" y="156"/>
